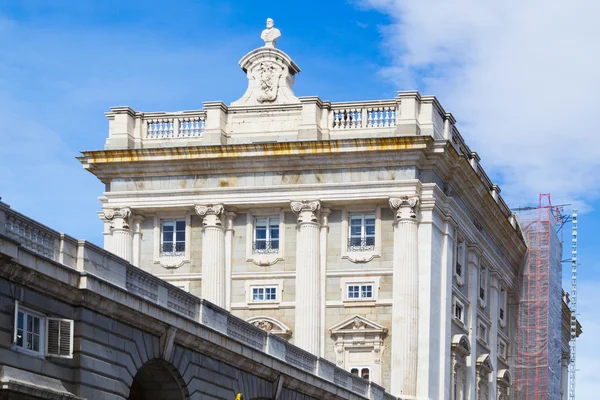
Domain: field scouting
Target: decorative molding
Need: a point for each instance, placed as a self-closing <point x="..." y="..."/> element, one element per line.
<point x="271" y="325"/>
<point x="119" y="218"/>
<point x="306" y="210"/>
<point x="406" y="207"/>
<point x="212" y="214"/>
<point x="461" y="345"/>
<point x="359" y="334"/>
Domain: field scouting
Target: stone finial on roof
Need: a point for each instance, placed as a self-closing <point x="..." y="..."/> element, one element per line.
<point x="270" y="34"/>
<point x="270" y="73"/>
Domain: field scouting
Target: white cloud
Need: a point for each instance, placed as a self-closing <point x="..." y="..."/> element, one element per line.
<point x="521" y="77"/>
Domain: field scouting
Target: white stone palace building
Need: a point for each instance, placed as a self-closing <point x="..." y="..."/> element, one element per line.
<point x="365" y="232"/>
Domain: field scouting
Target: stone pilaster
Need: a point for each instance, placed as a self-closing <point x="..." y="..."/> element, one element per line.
<point x="213" y="253"/>
<point x="405" y="302"/>
<point x="471" y="322"/>
<point x="493" y="335"/>
<point x="121" y="236"/>
<point x="308" y="292"/>
<point x="229" y="218"/>
<point x="137" y="239"/>
<point x="325" y="212"/>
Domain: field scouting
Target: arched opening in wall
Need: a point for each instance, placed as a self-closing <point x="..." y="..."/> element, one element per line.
<point x="158" y="380"/>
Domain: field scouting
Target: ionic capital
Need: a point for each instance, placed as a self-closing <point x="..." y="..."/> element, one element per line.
<point x="306" y="210"/>
<point x="405" y="207"/>
<point x="118" y="217"/>
<point x="212" y="214"/>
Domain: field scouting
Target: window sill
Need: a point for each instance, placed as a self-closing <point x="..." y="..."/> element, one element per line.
<point x="482" y="303"/>
<point x="459" y="279"/>
<point x="360" y="256"/>
<point x="483" y="343"/>
<point x="359" y="302"/>
<point x="460" y="324"/>
<point x="32" y="353"/>
<point x="264" y="260"/>
<point x="174" y="262"/>
<point x="264" y="304"/>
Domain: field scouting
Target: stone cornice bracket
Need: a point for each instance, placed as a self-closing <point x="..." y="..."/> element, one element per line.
<point x="406" y="207"/>
<point x="306" y="210"/>
<point x="119" y="218"/>
<point x="212" y="214"/>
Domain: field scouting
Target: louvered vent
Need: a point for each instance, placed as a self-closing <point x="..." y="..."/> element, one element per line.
<point x="60" y="337"/>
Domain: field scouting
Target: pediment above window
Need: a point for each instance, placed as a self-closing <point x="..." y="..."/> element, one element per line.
<point x="357" y="324"/>
<point x="504" y="378"/>
<point x="271" y="325"/>
<point x="461" y="345"/>
<point x="484" y="363"/>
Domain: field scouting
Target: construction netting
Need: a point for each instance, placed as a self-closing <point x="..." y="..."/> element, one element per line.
<point x="537" y="358"/>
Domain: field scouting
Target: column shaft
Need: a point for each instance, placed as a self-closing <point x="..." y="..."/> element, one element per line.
<point x="405" y="301"/>
<point x="213" y="254"/>
<point x="308" y="304"/>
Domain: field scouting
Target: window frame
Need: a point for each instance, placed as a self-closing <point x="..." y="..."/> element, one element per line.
<point x="276" y="284"/>
<point x="483" y="286"/>
<point x="173" y="242"/>
<point x="26" y="311"/>
<point x="172" y="261"/>
<point x="363" y="255"/>
<point x="345" y="284"/>
<point x="502" y="306"/>
<point x="360" y="368"/>
<point x="364" y="236"/>
<point x="362" y="288"/>
<point x="502" y="355"/>
<point x="267" y="258"/>
<point x="483" y="340"/>
<point x="457" y="302"/>
<point x="268" y="233"/>
<point x="460" y="259"/>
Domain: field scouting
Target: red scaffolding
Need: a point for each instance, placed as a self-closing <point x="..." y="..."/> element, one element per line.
<point x="538" y="353"/>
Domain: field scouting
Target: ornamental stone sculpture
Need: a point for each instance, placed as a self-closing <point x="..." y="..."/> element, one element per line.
<point x="271" y="34"/>
<point x="270" y="73"/>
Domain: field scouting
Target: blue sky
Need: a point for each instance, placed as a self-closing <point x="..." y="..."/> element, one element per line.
<point x="522" y="88"/>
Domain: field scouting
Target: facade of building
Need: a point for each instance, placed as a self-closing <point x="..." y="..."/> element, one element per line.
<point x="78" y="322"/>
<point x="366" y="232"/>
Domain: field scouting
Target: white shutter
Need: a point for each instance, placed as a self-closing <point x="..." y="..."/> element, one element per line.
<point x="15" y="326"/>
<point x="59" y="337"/>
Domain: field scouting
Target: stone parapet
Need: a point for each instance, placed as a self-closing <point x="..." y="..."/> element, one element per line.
<point x="118" y="288"/>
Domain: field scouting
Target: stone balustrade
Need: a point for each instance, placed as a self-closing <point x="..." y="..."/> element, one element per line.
<point x="174" y="125"/>
<point x="31" y="234"/>
<point x="90" y="259"/>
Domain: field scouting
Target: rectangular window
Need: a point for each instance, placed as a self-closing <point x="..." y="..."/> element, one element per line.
<point x="361" y="232"/>
<point x="266" y="235"/>
<point x="360" y="291"/>
<point x="502" y="349"/>
<point x="502" y="307"/>
<point x="458" y="311"/>
<point x="173" y="238"/>
<point x="363" y="372"/>
<point x="482" y="332"/>
<point x="264" y="293"/>
<point x="460" y="259"/>
<point x="483" y="286"/>
<point x="29" y="331"/>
